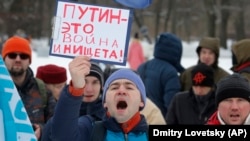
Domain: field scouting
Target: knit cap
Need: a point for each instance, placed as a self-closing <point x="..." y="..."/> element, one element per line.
<point x="210" y="43"/>
<point x="16" y="44"/>
<point x="52" y="74"/>
<point x="234" y="85"/>
<point x="96" y="71"/>
<point x="202" y="75"/>
<point x="129" y="74"/>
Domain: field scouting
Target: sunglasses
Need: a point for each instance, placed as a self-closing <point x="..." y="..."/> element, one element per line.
<point x="14" y="55"/>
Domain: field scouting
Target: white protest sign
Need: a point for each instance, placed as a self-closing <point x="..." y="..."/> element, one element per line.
<point x="100" y="32"/>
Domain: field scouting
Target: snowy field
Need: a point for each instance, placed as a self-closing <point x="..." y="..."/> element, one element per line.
<point x="41" y="57"/>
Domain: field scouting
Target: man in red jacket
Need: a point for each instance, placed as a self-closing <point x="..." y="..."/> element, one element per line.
<point x="233" y="101"/>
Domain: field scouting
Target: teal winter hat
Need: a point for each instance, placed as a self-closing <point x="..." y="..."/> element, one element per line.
<point x="129" y="74"/>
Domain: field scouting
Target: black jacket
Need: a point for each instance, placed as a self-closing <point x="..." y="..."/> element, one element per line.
<point x="185" y="108"/>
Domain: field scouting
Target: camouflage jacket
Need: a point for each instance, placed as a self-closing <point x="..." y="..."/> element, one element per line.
<point x="38" y="109"/>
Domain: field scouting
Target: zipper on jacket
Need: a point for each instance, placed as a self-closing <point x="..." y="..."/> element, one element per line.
<point x="126" y="137"/>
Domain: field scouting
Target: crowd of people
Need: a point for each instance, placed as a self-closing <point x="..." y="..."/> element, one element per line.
<point x="120" y="104"/>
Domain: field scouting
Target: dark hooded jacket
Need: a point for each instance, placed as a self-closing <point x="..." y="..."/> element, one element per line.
<point x="160" y="75"/>
<point x="241" y="58"/>
<point x="94" y="109"/>
<point x="214" y="45"/>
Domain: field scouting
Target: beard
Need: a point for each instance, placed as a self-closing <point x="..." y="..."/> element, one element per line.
<point x="16" y="73"/>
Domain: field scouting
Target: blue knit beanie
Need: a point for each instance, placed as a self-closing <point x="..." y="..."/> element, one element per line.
<point x="129" y="74"/>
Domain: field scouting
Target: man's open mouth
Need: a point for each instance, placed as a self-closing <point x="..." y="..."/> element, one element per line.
<point x="235" y="116"/>
<point x="121" y="105"/>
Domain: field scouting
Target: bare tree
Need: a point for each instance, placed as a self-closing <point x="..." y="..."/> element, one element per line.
<point x="170" y="6"/>
<point x="225" y="13"/>
<point x="158" y="10"/>
<point x="239" y="21"/>
<point x="211" y="17"/>
<point x="188" y="19"/>
<point x="174" y="18"/>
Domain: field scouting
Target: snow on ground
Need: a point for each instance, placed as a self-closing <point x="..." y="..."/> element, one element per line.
<point x="41" y="55"/>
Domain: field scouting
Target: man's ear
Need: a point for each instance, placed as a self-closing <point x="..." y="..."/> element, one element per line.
<point x="142" y="104"/>
<point x="105" y="105"/>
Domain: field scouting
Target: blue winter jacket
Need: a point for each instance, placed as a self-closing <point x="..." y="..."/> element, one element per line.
<point x="66" y="126"/>
<point x="94" y="110"/>
<point x="161" y="74"/>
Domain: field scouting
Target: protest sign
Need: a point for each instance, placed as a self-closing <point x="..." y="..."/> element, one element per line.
<point x="14" y="121"/>
<point x="100" y="32"/>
